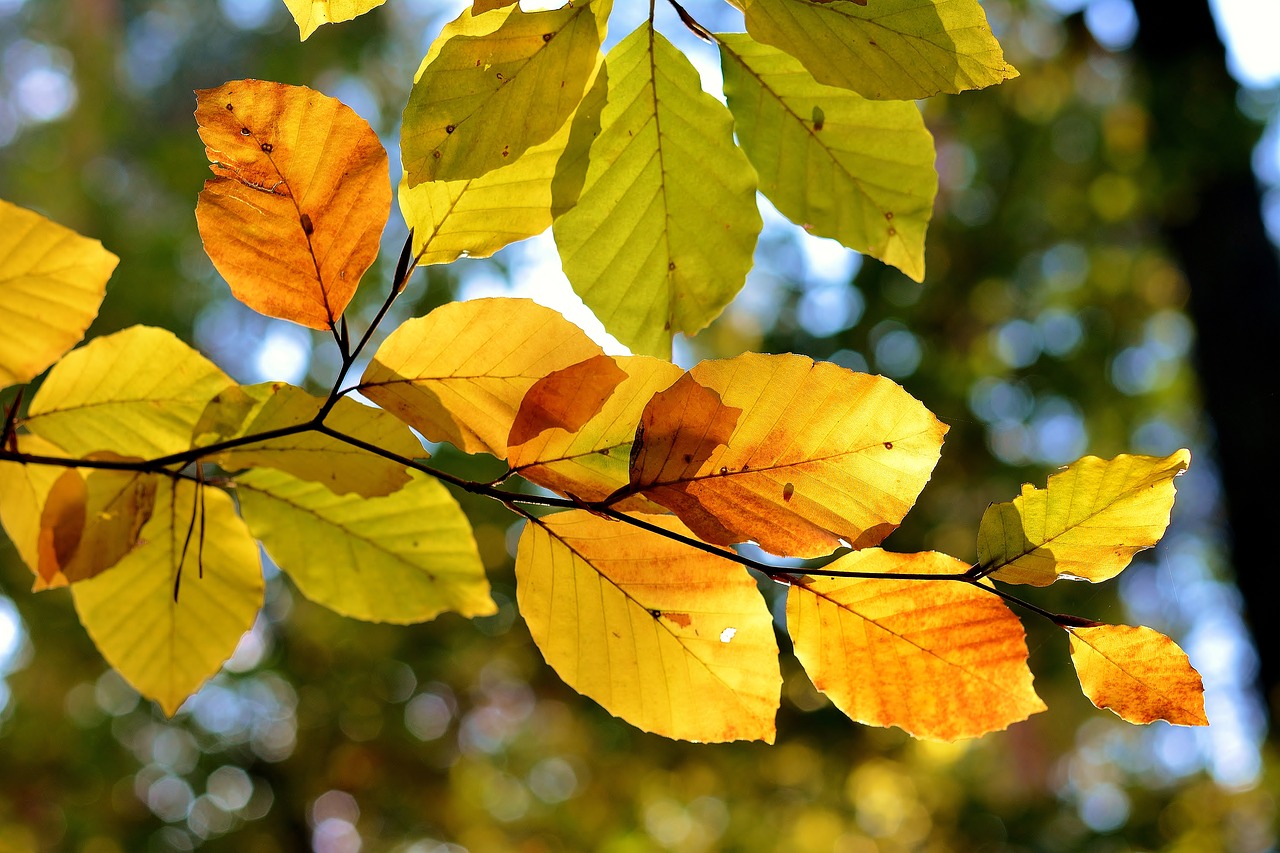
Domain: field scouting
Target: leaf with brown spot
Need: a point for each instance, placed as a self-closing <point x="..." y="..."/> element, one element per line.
<point x="1139" y="674"/>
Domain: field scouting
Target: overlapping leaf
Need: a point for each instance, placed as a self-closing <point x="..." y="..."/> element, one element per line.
<point x="91" y="519"/>
<point x="673" y="640"/>
<point x="1138" y="673"/>
<point x="52" y="281"/>
<point x="845" y="167"/>
<point x="137" y="393"/>
<point x="795" y="455"/>
<point x="24" y="488"/>
<point x="310" y="15"/>
<point x="459" y="374"/>
<point x="1086" y="524"/>
<point x="166" y="647"/>
<point x="401" y="558"/>
<point x="340" y="466"/>
<point x="494" y="84"/>
<point x="939" y="659"/>
<point x="888" y="49"/>
<point x="662" y="235"/>
<point x="301" y="192"/>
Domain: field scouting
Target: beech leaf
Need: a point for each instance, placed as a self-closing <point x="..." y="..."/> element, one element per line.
<point x="1138" y="673"/>
<point x="24" y="488"/>
<point x="91" y="519"/>
<point x="311" y="14"/>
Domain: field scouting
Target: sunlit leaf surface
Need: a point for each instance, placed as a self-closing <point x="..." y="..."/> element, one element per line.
<point x="311" y="14"/>
<point x="91" y="519"/>
<point x="1138" y="673"/>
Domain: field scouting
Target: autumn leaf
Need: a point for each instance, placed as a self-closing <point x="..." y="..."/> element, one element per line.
<point x="24" y="488"/>
<point x="888" y="49"/>
<point x="311" y="14"/>
<point x="341" y="467"/>
<point x="797" y="456"/>
<point x="52" y="281"/>
<point x="1086" y="524"/>
<point x="1138" y="673"/>
<point x="939" y="659"/>
<point x="293" y="217"/>
<point x="136" y="393"/>
<point x="401" y="558"/>
<point x="673" y="640"/>
<point x="166" y="647"/>
<point x="459" y="373"/>
<point x="471" y="109"/>
<point x="839" y="165"/>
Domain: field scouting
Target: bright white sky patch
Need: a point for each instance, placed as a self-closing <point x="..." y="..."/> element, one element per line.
<point x="1250" y="29"/>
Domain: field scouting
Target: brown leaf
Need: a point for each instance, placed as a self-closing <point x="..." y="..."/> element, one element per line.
<point x="566" y="399"/>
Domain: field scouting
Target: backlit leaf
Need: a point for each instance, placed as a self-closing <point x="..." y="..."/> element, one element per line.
<point x="842" y="166"/>
<point x="90" y="521"/>
<point x="1138" y="673"/>
<point x="673" y="640"/>
<point x="165" y="648"/>
<point x="52" y="281"/>
<point x="401" y="558"/>
<point x="302" y="191"/>
<point x="494" y="84"/>
<point x="341" y="467"/>
<point x="137" y="393"/>
<point x="459" y="373"/>
<point x="24" y="488"/>
<point x="311" y="14"/>
<point x="939" y="659"/>
<point x="886" y="49"/>
<point x="662" y="235"/>
<point x="814" y="455"/>
<point x="1087" y="524"/>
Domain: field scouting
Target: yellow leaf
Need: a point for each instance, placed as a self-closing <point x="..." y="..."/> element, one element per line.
<point x="302" y="191"/>
<point x="136" y="393"/>
<point x="165" y="648"/>
<point x="1138" y="673"/>
<point x="459" y="373"/>
<point x="52" y="281"/>
<point x="311" y="14"/>
<point x="939" y="659"/>
<point x="479" y="7"/>
<point x="341" y="467"/>
<point x="90" y="521"/>
<point x="887" y="49"/>
<point x="1087" y="524"/>
<point x="401" y="558"/>
<point x="673" y="640"/>
<point x="24" y="488"/>
<point x="817" y="456"/>
<point x="493" y="85"/>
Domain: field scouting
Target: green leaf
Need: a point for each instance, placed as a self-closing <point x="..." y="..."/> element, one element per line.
<point x="835" y="163"/>
<point x="662" y="236"/>
<point x="495" y="84"/>
<point x="401" y="558"/>
<point x="885" y="49"/>
<point x="167" y="648"/>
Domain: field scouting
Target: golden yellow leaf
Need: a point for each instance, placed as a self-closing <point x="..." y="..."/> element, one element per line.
<point x="136" y="393"/>
<point x="459" y="373"/>
<point x="817" y="456"/>
<point x="1138" y="673"/>
<point x="90" y="521"/>
<point x="302" y="191"/>
<point x="673" y="640"/>
<point x="479" y="7"/>
<point x="341" y="467"/>
<point x="165" y="648"/>
<point x="311" y="14"/>
<point x="52" y="281"/>
<point x="939" y="659"/>
<point x="1088" y="522"/>
<point x="24" y="488"/>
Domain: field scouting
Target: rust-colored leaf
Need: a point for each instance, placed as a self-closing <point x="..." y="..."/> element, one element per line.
<point x="1138" y="673"/>
<point x="566" y="399"/>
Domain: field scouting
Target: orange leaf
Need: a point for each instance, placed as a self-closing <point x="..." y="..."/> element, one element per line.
<point x="566" y="399"/>
<point x="818" y="456"/>
<point x="1138" y="673"/>
<point x="939" y="659"/>
<point x="302" y="192"/>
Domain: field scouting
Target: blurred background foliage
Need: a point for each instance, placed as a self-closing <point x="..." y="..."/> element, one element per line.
<point x="1064" y="313"/>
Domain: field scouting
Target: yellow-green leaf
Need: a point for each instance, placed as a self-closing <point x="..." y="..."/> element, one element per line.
<point x="842" y="166"/>
<point x="165" y="648"/>
<point x="493" y="85"/>
<point x="673" y="640"/>
<point x="459" y="373"/>
<point x="137" y="393"/>
<point x="311" y="14"/>
<point x="886" y="49"/>
<point x="1087" y="524"/>
<point x="340" y="466"/>
<point x="52" y="281"/>
<point x="295" y="213"/>
<point x="939" y="659"/>
<point x="401" y="558"/>
<point x="91" y="519"/>
<point x="663" y="232"/>
<point x="24" y="488"/>
<point x="1138" y="673"/>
